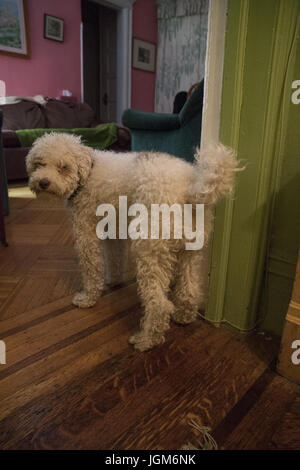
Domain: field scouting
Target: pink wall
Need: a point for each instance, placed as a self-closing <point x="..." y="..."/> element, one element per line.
<point x="53" y="66"/>
<point x="144" y="26"/>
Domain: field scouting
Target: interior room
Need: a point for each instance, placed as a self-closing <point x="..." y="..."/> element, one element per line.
<point x="121" y="329"/>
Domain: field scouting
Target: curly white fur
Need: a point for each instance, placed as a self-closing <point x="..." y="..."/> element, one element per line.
<point x="169" y="278"/>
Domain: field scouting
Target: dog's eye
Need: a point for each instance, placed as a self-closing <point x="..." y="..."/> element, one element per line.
<point x="39" y="165"/>
<point x="63" y="168"/>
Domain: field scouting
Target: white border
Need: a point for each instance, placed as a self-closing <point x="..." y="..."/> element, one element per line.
<point x="81" y="63"/>
<point x="212" y="100"/>
<point x="213" y="72"/>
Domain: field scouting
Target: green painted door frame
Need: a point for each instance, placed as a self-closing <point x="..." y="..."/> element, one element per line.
<point x="260" y="63"/>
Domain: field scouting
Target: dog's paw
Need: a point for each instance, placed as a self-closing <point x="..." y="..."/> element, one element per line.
<point x="143" y="341"/>
<point x="83" y="300"/>
<point x="184" y="317"/>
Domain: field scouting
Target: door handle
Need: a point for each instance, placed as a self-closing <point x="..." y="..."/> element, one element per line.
<point x="105" y="99"/>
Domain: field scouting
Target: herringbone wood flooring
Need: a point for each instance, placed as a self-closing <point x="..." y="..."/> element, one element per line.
<point x="72" y="381"/>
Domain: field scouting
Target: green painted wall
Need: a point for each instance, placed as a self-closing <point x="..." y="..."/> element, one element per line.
<point x="257" y="119"/>
<point x="284" y="235"/>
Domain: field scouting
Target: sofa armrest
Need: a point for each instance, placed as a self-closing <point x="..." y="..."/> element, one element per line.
<point x="10" y="139"/>
<point x="135" y="119"/>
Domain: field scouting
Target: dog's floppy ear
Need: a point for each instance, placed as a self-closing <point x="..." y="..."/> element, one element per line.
<point x="84" y="162"/>
<point x="29" y="160"/>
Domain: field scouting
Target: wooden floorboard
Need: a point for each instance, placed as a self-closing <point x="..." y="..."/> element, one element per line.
<point x="72" y="381"/>
<point x="287" y="433"/>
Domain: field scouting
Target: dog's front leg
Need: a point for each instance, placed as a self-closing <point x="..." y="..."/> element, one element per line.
<point x="89" y="249"/>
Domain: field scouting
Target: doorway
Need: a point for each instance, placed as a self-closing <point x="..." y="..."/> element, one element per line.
<point x="106" y="57"/>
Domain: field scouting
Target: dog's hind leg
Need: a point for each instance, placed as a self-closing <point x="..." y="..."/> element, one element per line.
<point x="188" y="293"/>
<point x="155" y="267"/>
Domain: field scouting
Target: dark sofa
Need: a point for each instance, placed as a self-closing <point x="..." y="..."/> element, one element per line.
<point x="54" y="114"/>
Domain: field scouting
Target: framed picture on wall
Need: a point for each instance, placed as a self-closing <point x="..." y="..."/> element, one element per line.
<point x="53" y="28"/>
<point x="143" y="55"/>
<point x="14" y="37"/>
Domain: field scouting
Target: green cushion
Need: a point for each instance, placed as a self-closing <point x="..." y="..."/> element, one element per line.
<point x="99" y="137"/>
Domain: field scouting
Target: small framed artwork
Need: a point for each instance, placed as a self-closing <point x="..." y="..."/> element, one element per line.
<point x="14" y="37"/>
<point x="53" y="28"/>
<point x="143" y="55"/>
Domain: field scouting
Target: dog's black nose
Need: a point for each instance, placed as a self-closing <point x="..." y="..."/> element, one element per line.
<point x="44" y="183"/>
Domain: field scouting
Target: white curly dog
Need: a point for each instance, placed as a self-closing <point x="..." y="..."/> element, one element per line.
<point x="169" y="277"/>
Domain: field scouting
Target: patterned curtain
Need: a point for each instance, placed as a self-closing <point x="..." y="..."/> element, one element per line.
<point x="182" y="31"/>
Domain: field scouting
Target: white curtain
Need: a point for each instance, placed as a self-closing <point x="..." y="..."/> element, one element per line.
<point x="182" y="31"/>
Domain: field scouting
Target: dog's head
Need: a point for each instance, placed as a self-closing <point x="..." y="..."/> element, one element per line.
<point x="57" y="164"/>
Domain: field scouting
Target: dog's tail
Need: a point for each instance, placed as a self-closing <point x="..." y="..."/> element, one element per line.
<point x="216" y="168"/>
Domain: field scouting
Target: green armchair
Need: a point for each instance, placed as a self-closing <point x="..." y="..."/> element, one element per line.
<point x="176" y="134"/>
